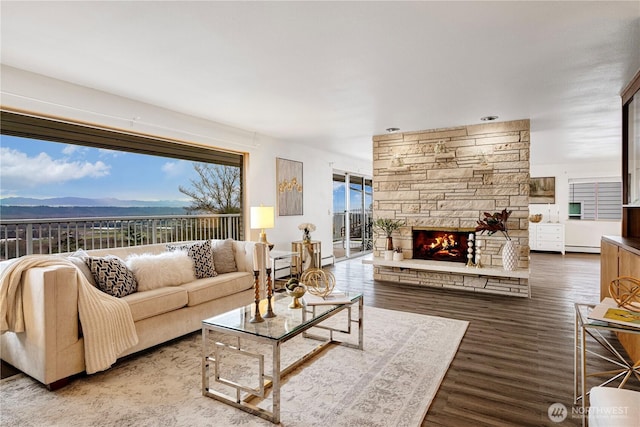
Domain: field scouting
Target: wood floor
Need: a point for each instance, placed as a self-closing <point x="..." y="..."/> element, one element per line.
<point x="516" y="358"/>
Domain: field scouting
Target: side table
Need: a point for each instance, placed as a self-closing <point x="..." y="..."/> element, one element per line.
<point x="279" y="256"/>
<point x="309" y="255"/>
<point x="594" y="328"/>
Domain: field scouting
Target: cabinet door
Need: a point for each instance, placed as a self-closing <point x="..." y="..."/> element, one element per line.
<point x="608" y="267"/>
<point x="629" y="263"/>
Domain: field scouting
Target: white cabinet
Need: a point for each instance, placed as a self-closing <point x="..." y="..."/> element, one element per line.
<point x="546" y="236"/>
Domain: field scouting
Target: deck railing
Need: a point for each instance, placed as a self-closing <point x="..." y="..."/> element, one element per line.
<point x="60" y="235"/>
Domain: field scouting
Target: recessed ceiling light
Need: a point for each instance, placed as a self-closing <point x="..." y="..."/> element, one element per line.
<point x="488" y="118"/>
<point x="393" y="130"/>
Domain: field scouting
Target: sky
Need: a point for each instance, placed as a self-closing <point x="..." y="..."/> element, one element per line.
<point x="339" y="197"/>
<point x="42" y="169"/>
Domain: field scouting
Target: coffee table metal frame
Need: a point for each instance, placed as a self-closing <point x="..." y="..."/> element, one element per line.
<point x="312" y="316"/>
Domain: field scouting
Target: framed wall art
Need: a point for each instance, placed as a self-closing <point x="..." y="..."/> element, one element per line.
<point x="542" y="190"/>
<point x="289" y="187"/>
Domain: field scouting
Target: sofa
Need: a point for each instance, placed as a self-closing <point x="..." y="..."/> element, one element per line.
<point x="170" y="299"/>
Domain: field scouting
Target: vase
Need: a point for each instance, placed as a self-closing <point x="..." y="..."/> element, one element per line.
<point x="397" y="256"/>
<point x="306" y="235"/>
<point x="510" y="256"/>
<point x="388" y="255"/>
<point x="389" y="243"/>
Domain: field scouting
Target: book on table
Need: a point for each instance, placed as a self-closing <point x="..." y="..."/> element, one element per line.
<point x="334" y="298"/>
<point x="608" y="311"/>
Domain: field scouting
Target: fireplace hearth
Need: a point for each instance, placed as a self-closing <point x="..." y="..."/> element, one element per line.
<point x="441" y="245"/>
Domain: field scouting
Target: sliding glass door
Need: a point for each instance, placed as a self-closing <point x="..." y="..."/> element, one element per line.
<point x="352" y="215"/>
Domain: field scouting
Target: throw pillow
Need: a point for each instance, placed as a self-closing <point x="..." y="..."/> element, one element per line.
<point x="158" y="270"/>
<point x="112" y="275"/>
<point x="200" y="253"/>
<point x="224" y="257"/>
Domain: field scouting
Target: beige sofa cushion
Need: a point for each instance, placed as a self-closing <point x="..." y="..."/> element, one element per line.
<point x="224" y="258"/>
<point x="156" y="301"/>
<point x="203" y="290"/>
<point x="154" y="271"/>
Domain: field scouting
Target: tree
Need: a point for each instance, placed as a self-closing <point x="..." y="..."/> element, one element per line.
<point x="217" y="189"/>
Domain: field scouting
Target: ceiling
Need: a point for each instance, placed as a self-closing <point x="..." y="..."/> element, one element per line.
<point x="332" y="74"/>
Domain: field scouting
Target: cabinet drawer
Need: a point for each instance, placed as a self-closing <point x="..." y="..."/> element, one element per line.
<point x="549" y="246"/>
<point x="549" y="238"/>
<point x="550" y="229"/>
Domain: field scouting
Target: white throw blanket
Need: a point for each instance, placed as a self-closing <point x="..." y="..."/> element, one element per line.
<point x="106" y="321"/>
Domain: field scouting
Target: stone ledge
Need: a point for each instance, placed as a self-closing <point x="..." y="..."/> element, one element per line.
<point x="447" y="267"/>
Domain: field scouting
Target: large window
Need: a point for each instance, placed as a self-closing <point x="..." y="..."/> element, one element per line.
<point x="595" y="200"/>
<point x="66" y="186"/>
<point x="46" y="159"/>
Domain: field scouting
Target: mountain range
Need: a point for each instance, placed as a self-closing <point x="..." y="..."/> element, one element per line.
<point x="87" y="202"/>
<point x="12" y="208"/>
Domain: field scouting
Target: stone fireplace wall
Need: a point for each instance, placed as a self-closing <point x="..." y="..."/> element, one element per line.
<point x="448" y="178"/>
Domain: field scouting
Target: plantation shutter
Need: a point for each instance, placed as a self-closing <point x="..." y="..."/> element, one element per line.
<point x="600" y="200"/>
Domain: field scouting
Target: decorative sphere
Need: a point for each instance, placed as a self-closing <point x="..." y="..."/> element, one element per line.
<point x="319" y="282"/>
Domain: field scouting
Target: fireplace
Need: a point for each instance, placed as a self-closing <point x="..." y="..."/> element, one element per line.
<point x="441" y="245"/>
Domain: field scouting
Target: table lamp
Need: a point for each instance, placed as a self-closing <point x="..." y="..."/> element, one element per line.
<point x="263" y="217"/>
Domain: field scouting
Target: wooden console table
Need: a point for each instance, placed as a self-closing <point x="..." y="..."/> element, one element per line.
<point x="620" y="256"/>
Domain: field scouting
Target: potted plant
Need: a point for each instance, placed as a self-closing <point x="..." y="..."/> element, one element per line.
<point x="497" y="222"/>
<point x="388" y="226"/>
<point x="397" y="254"/>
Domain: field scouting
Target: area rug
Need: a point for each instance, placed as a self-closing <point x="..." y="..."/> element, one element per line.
<point x="391" y="383"/>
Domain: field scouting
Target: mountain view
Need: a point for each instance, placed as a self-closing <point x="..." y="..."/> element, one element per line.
<point x="82" y="201"/>
<point x="79" y="207"/>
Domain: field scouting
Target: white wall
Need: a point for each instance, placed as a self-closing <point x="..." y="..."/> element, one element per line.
<point x="580" y="235"/>
<point x="35" y="93"/>
<point x="318" y="167"/>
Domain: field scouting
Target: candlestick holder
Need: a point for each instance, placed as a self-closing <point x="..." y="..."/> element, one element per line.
<point x="470" y="250"/>
<point x="269" y="312"/>
<point x="470" y="257"/>
<point x="257" y="318"/>
<point x="478" y="258"/>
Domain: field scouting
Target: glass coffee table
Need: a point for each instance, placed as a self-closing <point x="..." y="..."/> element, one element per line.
<point x="288" y="323"/>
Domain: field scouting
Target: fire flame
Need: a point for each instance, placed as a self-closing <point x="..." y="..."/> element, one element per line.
<point x="444" y="243"/>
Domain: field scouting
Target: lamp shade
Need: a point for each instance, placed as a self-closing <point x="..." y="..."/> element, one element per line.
<point x="262" y="217"/>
